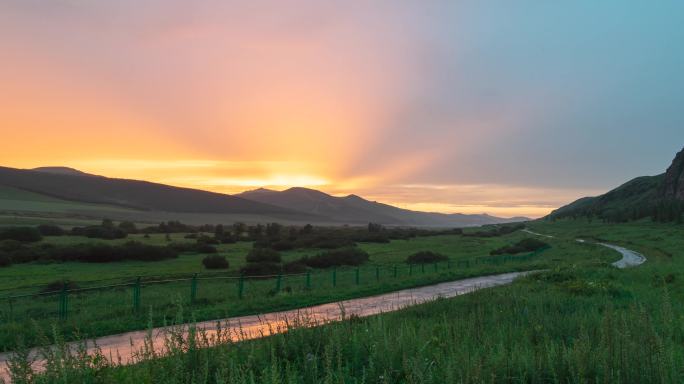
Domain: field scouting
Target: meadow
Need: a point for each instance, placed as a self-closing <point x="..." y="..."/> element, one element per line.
<point x="96" y="312"/>
<point x="583" y="321"/>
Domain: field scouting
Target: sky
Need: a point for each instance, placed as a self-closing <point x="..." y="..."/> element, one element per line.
<point x="504" y="107"/>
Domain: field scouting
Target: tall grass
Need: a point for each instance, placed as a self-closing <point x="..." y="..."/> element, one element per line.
<point x="563" y="326"/>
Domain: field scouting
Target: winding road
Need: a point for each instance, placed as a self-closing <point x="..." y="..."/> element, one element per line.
<point x="629" y="258"/>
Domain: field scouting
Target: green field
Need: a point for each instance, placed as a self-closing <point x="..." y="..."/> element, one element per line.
<point x="581" y="322"/>
<point x="106" y="311"/>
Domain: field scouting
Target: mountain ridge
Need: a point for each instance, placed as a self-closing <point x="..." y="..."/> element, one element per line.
<point x="294" y="204"/>
<point x="660" y="197"/>
<point x="314" y="201"/>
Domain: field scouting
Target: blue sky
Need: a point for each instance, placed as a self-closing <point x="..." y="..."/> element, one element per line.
<point x="505" y="107"/>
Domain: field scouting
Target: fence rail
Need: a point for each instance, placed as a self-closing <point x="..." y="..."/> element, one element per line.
<point x="277" y="281"/>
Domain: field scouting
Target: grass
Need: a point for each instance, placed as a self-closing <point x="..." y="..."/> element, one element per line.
<point x="581" y="322"/>
<point x="96" y="313"/>
<point x="24" y="278"/>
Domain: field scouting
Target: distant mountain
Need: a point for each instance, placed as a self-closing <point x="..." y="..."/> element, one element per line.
<point x="61" y="171"/>
<point x="354" y="209"/>
<point x="294" y="205"/>
<point x="660" y="196"/>
<point x="142" y="195"/>
<point x="673" y="184"/>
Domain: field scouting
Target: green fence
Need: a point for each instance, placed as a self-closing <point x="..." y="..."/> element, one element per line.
<point x="133" y="296"/>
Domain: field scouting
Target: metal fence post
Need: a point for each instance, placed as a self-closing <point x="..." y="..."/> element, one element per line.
<point x="357" y="276"/>
<point x="308" y="280"/>
<point x="334" y="277"/>
<point x="422" y="267"/>
<point x="395" y="271"/>
<point x="279" y="281"/>
<point x="193" y="289"/>
<point x="410" y="269"/>
<point x="377" y="273"/>
<point x="241" y="286"/>
<point x="136" y="295"/>
<point x="436" y="267"/>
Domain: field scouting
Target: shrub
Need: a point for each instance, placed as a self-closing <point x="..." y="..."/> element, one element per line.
<point x="333" y="243"/>
<point x="423" y="257"/>
<point x="283" y="245"/>
<point x="51" y="230"/>
<point x="261" y="269"/>
<point x="59" y="285"/>
<point x="352" y="256"/>
<point x="23" y="234"/>
<point x="296" y="266"/>
<point x="206" y="248"/>
<point x="99" y="232"/>
<point x="95" y="253"/>
<point x="5" y="260"/>
<point x="263" y="255"/>
<point x="215" y="262"/>
<point x="10" y="245"/>
<point x="496" y="230"/>
<point x="128" y="227"/>
<point x="193" y="247"/>
<point x="204" y="239"/>
<point x="524" y="245"/>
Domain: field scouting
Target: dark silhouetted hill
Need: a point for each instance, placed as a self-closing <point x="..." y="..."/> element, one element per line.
<point x="660" y="197"/>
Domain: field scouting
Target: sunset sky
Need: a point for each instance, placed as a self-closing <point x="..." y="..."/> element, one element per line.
<point x="505" y="107"/>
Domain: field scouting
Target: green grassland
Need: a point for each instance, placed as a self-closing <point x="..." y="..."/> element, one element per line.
<point x="23" y="276"/>
<point x="582" y="321"/>
<point x="107" y="311"/>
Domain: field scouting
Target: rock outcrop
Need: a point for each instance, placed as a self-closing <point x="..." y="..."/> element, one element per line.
<point x="673" y="185"/>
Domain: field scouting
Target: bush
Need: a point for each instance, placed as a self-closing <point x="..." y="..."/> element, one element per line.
<point x="193" y="247"/>
<point x="423" y="257"/>
<point x="5" y="260"/>
<point x="58" y="285"/>
<point x="50" y="230"/>
<point x="497" y="230"/>
<point x="352" y="256"/>
<point x="128" y="227"/>
<point x="283" y="245"/>
<point x="296" y="266"/>
<point x="261" y="269"/>
<point x="204" y="239"/>
<point x="206" y="248"/>
<point x="10" y="245"/>
<point x="215" y="262"/>
<point x="333" y="243"/>
<point x="23" y="234"/>
<point x="95" y="253"/>
<point x="524" y="245"/>
<point x="263" y="255"/>
<point x="99" y="232"/>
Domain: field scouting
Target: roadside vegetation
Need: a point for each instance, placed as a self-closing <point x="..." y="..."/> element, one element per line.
<point x="581" y="321"/>
<point x="308" y="275"/>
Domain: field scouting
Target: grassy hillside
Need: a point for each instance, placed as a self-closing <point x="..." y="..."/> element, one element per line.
<point x="627" y="200"/>
<point x="18" y="200"/>
<point x="134" y="194"/>
<point x="658" y="197"/>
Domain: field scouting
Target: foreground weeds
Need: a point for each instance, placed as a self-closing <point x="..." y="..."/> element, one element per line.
<point x="563" y="326"/>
